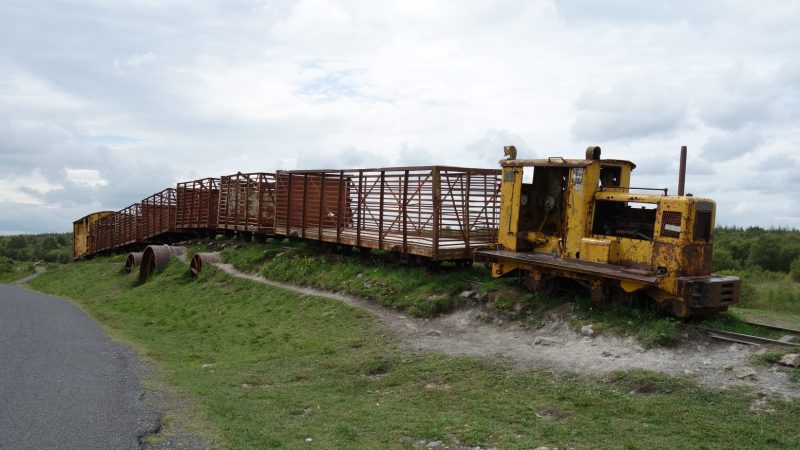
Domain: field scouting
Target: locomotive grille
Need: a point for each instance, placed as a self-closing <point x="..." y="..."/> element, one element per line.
<point x="726" y="292"/>
<point x="671" y="224"/>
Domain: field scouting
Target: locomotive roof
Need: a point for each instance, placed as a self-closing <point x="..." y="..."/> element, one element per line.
<point x="106" y="213"/>
<point x="558" y="161"/>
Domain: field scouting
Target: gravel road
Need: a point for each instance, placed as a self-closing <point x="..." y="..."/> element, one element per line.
<point x="63" y="383"/>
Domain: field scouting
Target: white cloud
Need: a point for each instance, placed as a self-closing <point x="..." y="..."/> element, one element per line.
<point x="86" y="177"/>
<point x="141" y="94"/>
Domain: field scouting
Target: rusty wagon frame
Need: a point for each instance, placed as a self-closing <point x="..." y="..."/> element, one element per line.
<point x="438" y="212"/>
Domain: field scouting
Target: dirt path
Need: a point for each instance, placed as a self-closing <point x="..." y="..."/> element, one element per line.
<point x="558" y="346"/>
<point x="38" y="271"/>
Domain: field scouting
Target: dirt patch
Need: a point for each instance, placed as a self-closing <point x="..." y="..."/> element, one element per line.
<point x="557" y="345"/>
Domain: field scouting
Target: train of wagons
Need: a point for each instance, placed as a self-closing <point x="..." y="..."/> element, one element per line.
<point x="576" y="220"/>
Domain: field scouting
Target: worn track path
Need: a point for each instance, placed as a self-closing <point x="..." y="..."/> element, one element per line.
<point x="63" y="383"/>
<point x="557" y="346"/>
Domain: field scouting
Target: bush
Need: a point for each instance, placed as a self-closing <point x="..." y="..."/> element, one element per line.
<point x="722" y="259"/>
<point x="795" y="270"/>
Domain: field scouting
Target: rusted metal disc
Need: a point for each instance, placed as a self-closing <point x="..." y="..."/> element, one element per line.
<point x="157" y="257"/>
<point x="133" y="261"/>
<point x="202" y="258"/>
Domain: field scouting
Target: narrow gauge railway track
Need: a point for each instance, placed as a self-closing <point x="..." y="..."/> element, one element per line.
<point x="788" y="340"/>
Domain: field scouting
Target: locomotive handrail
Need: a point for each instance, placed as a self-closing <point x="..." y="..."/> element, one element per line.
<point x="622" y="188"/>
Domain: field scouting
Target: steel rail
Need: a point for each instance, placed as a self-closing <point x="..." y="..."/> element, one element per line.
<point x="748" y="339"/>
<point x="773" y="327"/>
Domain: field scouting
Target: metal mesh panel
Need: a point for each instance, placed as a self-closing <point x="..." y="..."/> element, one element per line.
<point x="671" y="224"/>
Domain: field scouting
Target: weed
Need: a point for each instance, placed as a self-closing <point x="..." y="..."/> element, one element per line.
<point x="767" y="358"/>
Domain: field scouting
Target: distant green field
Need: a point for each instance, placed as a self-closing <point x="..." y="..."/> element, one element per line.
<point x="273" y="369"/>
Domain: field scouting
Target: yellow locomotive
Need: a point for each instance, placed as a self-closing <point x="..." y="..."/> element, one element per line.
<point x="580" y="219"/>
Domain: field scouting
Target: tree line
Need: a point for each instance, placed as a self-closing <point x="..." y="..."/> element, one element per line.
<point x="774" y="250"/>
<point x="49" y="247"/>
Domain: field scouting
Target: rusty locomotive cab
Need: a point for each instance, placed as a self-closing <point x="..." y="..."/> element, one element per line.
<point x="581" y="219"/>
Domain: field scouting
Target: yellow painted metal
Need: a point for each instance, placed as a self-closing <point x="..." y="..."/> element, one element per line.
<point x="582" y="185"/>
<point x="599" y="250"/>
<point x="631" y="286"/>
<point x="536" y="238"/>
<point x="673" y="252"/>
<point x="510" y="194"/>
<point x="82" y="230"/>
<point x="681" y="255"/>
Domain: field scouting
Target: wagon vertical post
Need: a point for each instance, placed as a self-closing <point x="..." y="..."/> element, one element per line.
<point x="405" y="212"/>
<point x="321" y="203"/>
<point x="288" y="203"/>
<point x="467" y="218"/>
<point x="262" y="188"/>
<point x="340" y="208"/>
<point x="380" y="210"/>
<point x="305" y="206"/>
<point x="437" y="211"/>
<point x="237" y="199"/>
<point x="359" y="200"/>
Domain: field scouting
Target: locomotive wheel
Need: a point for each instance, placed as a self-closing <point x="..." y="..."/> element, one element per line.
<point x="545" y="286"/>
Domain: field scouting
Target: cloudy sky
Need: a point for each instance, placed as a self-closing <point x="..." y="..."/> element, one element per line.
<point x="104" y="102"/>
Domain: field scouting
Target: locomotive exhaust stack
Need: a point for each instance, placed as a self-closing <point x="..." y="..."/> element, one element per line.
<point x="682" y="172"/>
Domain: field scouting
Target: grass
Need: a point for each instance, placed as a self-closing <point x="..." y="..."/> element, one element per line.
<point x="12" y="270"/>
<point x="422" y="292"/>
<point x="769" y="291"/>
<point x="374" y="276"/>
<point x="272" y="369"/>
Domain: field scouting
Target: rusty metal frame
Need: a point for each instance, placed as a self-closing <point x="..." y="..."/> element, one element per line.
<point x="128" y="224"/>
<point x="198" y="204"/>
<point x="439" y="212"/>
<point x="159" y="213"/>
<point x="247" y="202"/>
<point x="103" y="236"/>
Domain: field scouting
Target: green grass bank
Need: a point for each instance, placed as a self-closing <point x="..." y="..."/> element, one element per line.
<point x="273" y="369"/>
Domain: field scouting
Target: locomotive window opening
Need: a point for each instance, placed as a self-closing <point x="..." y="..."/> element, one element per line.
<point x="542" y="201"/>
<point x="702" y="226"/>
<point x="621" y="219"/>
<point x="610" y="176"/>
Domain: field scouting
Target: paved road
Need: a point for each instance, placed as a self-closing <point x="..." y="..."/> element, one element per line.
<point x="63" y="383"/>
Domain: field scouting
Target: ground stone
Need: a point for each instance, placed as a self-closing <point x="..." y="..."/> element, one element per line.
<point x="742" y="372"/>
<point x="587" y="330"/>
<point x="541" y="340"/>
<point x="790" y="360"/>
<point x="435" y="444"/>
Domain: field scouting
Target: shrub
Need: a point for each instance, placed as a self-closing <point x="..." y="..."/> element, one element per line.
<point x="723" y="260"/>
<point x="795" y="270"/>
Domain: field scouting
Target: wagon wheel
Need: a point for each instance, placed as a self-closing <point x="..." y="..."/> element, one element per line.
<point x="464" y="263"/>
